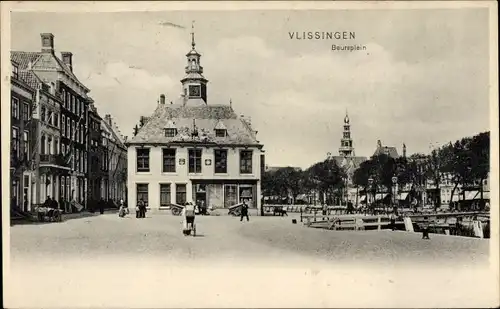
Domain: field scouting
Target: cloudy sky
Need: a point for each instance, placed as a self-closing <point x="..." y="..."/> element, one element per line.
<point x="422" y="80"/>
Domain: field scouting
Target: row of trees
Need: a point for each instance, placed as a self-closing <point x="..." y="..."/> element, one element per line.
<point x="465" y="163"/>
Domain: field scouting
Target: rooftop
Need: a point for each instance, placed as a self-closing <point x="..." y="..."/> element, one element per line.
<point x="202" y="119"/>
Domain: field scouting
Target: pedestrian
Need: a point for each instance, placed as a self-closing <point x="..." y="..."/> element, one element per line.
<point x="393" y="221"/>
<point x="244" y="210"/>
<point x="140" y="209"/>
<point x="101" y="206"/>
<point x="143" y="210"/>
<point x="425" y="228"/>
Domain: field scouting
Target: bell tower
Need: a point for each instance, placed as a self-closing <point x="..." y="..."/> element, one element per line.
<point x="194" y="84"/>
<point x="346" y="149"/>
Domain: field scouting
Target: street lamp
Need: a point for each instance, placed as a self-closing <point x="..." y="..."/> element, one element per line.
<point x="370" y="185"/>
<point x="395" y="188"/>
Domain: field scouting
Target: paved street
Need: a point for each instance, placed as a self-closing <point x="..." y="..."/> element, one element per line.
<point x="236" y="259"/>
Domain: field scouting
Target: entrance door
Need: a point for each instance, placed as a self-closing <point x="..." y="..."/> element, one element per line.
<point x="26" y="190"/>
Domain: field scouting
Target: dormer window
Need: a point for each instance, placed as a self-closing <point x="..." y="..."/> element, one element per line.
<point x="170" y="132"/>
<point x="170" y="129"/>
<point x="220" y="132"/>
<point x="15" y="71"/>
<point x="220" y="129"/>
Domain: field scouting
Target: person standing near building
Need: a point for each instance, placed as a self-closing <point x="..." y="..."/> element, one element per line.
<point x="244" y="210"/>
<point x="138" y="210"/>
<point x="425" y="228"/>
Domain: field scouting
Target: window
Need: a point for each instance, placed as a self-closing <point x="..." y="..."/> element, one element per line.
<point x="68" y="127"/>
<point x="220" y="161"/>
<point x="64" y="96"/>
<point x="63" y="149"/>
<point x="73" y="104"/>
<point x="68" y="101"/>
<point x="164" y="194"/>
<point x="56" y="146"/>
<point x="143" y="160"/>
<point x="15" y="140"/>
<point x="42" y="145"/>
<point x="49" y="117"/>
<point x="220" y="132"/>
<point x="15" y="72"/>
<point x="15" y="108"/>
<point x="26" y="144"/>
<point x="42" y="114"/>
<point x="168" y="160"/>
<point x="180" y="194"/>
<point x="26" y="111"/>
<point x="56" y="120"/>
<point x="142" y="193"/>
<point x="170" y="132"/>
<point x="73" y="130"/>
<point x="195" y="160"/>
<point x="63" y="125"/>
<point x="49" y="145"/>
<point x="246" y="161"/>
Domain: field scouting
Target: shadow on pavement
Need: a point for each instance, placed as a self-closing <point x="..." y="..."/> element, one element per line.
<point x="65" y="217"/>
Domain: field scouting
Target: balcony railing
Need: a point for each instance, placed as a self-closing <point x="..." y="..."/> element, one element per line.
<point x="54" y="159"/>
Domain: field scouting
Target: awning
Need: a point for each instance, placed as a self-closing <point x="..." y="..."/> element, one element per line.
<point x="472" y="195"/>
<point x="402" y="196"/>
<point x="380" y="196"/>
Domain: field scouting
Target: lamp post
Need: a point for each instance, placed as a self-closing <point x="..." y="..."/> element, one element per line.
<point x="370" y="186"/>
<point x="395" y="189"/>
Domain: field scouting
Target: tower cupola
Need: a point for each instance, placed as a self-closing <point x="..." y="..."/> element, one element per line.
<point x="194" y="84"/>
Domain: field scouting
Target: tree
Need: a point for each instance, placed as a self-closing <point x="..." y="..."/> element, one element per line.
<point x="480" y="158"/>
<point x="327" y="176"/>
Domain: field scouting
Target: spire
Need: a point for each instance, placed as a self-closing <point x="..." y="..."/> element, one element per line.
<point x="230" y="103"/>
<point x="193" y="44"/>
<point x="346" y="118"/>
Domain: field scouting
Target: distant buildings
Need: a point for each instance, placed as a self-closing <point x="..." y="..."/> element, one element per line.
<point x="191" y="150"/>
<point x="50" y="129"/>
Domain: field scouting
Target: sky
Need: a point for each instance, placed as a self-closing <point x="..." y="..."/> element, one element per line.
<point x="422" y="80"/>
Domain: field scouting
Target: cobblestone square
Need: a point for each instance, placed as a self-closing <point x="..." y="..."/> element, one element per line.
<point x="233" y="260"/>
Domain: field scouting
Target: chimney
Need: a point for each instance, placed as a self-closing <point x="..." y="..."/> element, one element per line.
<point x="47" y="42"/>
<point x="404" y="150"/>
<point x="162" y="99"/>
<point x="108" y="119"/>
<point x="52" y="89"/>
<point x="67" y="58"/>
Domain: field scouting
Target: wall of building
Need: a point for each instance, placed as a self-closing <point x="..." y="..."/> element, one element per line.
<point x="155" y="176"/>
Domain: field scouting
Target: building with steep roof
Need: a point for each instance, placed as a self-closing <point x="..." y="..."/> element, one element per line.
<point x="190" y="150"/>
<point x="66" y="115"/>
<point x="114" y="186"/>
<point x="391" y="151"/>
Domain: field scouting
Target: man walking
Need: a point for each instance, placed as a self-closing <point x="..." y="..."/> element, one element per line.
<point x="244" y="210"/>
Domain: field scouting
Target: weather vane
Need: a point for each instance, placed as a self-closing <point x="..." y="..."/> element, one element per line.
<point x="192" y="34"/>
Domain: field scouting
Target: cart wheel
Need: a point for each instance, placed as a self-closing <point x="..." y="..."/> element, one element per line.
<point x="176" y="211"/>
<point x="57" y="216"/>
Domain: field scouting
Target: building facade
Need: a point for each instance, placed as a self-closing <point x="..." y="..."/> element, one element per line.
<point x="95" y="155"/>
<point x="114" y="187"/>
<point x="194" y="151"/>
<point x="22" y="103"/>
<point x="62" y="116"/>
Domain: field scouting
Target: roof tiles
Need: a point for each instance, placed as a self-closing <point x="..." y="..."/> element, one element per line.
<point x="186" y="117"/>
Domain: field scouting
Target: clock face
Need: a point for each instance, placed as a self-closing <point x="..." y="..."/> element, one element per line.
<point x="194" y="91"/>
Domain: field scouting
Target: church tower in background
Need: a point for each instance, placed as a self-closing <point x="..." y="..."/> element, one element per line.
<point x="346" y="148"/>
